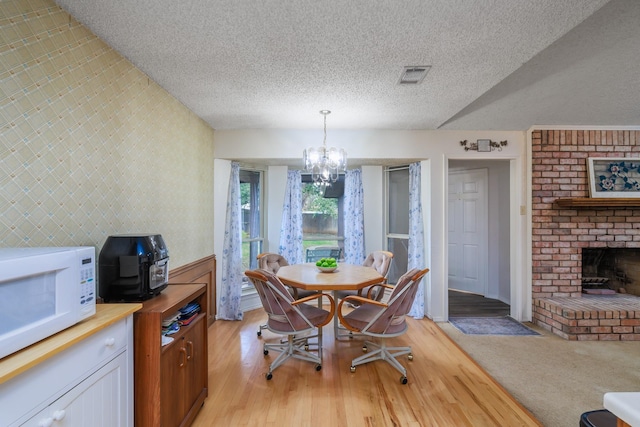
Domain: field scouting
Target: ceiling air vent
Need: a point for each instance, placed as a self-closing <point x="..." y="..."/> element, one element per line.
<point x="413" y="75"/>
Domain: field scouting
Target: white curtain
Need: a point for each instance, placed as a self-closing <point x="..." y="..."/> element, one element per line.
<point x="231" y="283"/>
<point x="353" y="217"/>
<point x="291" y="230"/>
<point x="416" y="237"/>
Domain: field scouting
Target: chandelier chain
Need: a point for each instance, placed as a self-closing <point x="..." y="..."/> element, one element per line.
<point x="324" y="141"/>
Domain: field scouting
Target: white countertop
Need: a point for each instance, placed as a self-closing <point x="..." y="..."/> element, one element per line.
<point x="625" y="406"/>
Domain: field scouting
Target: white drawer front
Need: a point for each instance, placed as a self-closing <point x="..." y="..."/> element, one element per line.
<point x="96" y="401"/>
<point x="25" y="395"/>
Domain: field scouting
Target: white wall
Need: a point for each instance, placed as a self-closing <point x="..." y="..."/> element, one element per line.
<point x="372" y="148"/>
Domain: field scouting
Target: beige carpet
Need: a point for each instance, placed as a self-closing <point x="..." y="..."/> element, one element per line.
<point x="556" y="379"/>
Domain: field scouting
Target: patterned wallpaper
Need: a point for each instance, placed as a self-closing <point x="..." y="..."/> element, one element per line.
<point x="90" y="146"/>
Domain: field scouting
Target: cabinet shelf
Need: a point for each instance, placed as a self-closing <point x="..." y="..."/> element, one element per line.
<point x="183" y="330"/>
<point x="607" y="202"/>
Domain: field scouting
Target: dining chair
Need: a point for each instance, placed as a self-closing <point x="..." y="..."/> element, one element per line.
<point x="383" y="320"/>
<point x="381" y="262"/>
<point x="272" y="262"/>
<point x="290" y="317"/>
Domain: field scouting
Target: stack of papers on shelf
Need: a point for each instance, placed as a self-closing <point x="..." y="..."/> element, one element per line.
<point x="170" y="325"/>
<point x="188" y="313"/>
<point x="183" y="317"/>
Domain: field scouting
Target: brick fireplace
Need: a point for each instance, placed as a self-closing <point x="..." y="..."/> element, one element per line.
<point x="562" y="229"/>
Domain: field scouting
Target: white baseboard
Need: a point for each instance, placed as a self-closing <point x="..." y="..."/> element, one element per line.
<point x="250" y="301"/>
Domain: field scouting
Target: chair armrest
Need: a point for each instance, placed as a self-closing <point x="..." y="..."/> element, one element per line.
<point x="318" y="296"/>
<point x="359" y="299"/>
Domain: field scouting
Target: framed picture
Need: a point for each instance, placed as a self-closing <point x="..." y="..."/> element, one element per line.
<point x="484" y="145"/>
<point x="614" y="177"/>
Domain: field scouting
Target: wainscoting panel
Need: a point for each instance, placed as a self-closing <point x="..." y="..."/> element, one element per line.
<point x="200" y="271"/>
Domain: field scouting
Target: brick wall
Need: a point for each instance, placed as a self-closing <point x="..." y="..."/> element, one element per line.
<point x="559" y="170"/>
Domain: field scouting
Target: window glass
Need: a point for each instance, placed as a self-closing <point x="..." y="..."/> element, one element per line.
<point x="322" y="223"/>
<point x="251" y="205"/>
<point x="397" y="202"/>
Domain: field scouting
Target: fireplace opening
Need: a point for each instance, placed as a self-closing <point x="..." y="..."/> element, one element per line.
<point x="610" y="271"/>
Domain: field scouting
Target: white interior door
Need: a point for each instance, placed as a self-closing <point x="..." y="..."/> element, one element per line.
<point x="468" y="224"/>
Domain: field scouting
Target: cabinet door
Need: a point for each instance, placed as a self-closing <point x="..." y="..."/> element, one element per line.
<point x="183" y="374"/>
<point x="98" y="401"/>
<point x="197" y="365"/>
<point x="173" y="390"/>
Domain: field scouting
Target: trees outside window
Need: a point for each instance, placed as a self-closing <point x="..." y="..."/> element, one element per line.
<point x="322" y="214"/>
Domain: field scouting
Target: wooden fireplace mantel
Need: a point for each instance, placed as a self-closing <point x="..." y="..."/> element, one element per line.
<point x="606" y="202"/>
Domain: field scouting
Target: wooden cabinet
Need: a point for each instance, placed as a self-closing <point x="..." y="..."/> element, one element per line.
<point x="171" y="380"/>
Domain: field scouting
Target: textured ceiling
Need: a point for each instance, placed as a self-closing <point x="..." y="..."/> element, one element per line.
<point x="496" y="64"/>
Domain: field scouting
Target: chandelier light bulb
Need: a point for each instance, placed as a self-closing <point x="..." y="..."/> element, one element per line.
<point x="325" y="165"/>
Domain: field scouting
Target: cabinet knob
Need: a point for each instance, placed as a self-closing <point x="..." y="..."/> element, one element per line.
<point x="109" y="342"/>
<point x="184" y="358"/>
<point x="189" y="350"/>
<point x="47" y="422"/>
<point x="59" y="414"/>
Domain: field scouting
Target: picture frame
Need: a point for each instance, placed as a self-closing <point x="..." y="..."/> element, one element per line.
<point x="484" y="145"/>
<point x="611" y="177"/>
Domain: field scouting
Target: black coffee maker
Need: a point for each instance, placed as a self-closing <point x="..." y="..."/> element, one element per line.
<point x="133" y="267"/>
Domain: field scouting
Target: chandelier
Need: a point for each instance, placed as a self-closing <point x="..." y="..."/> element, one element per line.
<point x="325" y="164"/>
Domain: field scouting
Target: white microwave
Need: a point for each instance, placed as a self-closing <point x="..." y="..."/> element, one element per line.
<point x="43" y="291"/>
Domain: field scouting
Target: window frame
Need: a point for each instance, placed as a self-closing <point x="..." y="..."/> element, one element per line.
<point x="399" y="263"/>
<point x="307" y="179"/>
<point x="247" y="287"/>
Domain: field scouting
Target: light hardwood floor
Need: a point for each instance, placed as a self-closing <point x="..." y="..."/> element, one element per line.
<point x="445" y="387"/>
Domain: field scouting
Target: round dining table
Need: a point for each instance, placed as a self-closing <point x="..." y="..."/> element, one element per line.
<point x="346" y="277"/>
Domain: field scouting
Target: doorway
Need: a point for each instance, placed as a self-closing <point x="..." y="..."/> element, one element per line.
<point x="467" y="231"/>
<point x="478" y="238"/>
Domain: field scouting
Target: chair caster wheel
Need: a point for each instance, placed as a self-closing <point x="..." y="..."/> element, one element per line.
<point x="318" y="367"/>
<point x="269" y="376"/>
<point x="410" y="356"/>
<point x="364" y="349"/>
<point x="403" y="380"/>
<point x="352" y="369"/>
<point x="259" y="333"/>
<point x="265" y="352"/>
